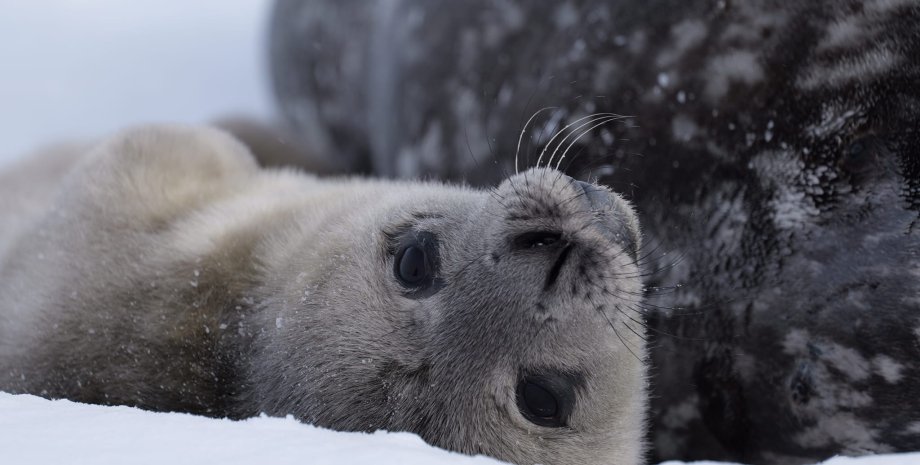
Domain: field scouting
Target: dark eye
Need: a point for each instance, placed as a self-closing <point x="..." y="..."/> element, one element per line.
<point x="412" y="266"/>
<point x="540" y="402"/>
<point x="416" y="264"/>
<point x="547" y="400"/>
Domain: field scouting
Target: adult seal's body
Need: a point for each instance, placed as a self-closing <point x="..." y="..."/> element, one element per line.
<point x="164" y="269"/>
<point x="772" y="146"/>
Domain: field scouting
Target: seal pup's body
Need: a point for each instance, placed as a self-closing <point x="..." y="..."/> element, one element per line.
<point x="168" y="271"/>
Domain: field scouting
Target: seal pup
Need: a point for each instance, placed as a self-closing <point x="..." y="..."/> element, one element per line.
<point x="773" y="146"/>
<point x="170" y="272"/>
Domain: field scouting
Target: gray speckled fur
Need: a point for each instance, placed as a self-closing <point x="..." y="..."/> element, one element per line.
<point x="772" y="145"/>
<point x="170" y="272"/>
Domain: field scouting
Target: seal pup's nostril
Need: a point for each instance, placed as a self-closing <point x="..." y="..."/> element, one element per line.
<point x="535" y="239"/>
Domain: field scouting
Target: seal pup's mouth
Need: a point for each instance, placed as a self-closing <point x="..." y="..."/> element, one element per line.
<point x="542" y="239"/>
<point x="557" y="267"/>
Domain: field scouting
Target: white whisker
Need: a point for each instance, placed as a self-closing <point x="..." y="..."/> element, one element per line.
<point x="580" y="136"/>
<point x="603" y="120"/>
<point x="561" y="131"/>
<point x="521" y="137"/>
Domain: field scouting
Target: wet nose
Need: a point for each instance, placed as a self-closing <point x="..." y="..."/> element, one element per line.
<point x="598" y="198"/>
<point x="612" y="223"/>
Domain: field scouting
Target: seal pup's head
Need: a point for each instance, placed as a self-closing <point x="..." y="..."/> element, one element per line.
<point x="494" y="323"/>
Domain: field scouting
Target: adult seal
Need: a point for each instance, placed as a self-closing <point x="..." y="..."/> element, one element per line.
<point x="165" y="269"/>
<point x="771" y="151"/>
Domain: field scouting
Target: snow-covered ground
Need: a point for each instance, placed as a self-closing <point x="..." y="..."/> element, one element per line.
<point x="36" y="431"/>
<point x="75" y="69"/>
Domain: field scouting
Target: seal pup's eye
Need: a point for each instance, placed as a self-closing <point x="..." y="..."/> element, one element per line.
<point x="539" y="402"/>
<point x="547" y="400"/>
<point x="412" y="265"/>
<point x="416" y="264"/>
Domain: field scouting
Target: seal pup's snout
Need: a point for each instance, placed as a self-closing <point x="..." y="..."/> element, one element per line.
<point x="614" y="217"/>
<point x="555" y="226"/>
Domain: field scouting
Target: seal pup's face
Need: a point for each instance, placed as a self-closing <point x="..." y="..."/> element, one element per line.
<point x="487" y="322"/>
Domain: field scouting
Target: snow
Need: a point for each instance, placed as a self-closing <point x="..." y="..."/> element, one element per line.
<point x="38" y="431"/>
<point x="887" y="459"/>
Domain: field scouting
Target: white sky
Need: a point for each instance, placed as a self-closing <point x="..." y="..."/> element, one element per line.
<point x="83" y="68"/>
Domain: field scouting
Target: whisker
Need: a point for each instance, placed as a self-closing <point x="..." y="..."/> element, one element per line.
<point x="663" y="333"/>
<point x="647" y="309"/>
<point x="591" y="120"/>
<point x="640" y="336"/>
<point x="521" y="137"/>
<point x="562" y="131"/>
<point x="588" y="131"/>
<point x="600" y="310"/>
<point x="568" y="166"/>
<point x="469" y="148"/>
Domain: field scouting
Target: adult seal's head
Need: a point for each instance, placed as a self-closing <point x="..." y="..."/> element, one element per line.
<point x="165" y="269"/>
<point x="500" y="323"/>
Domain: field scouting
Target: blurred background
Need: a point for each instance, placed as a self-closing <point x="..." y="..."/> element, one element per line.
<point x="78" y="69"/>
